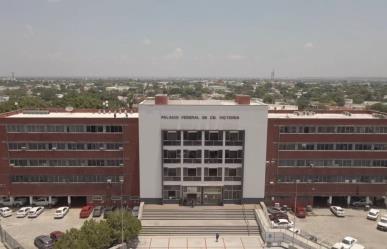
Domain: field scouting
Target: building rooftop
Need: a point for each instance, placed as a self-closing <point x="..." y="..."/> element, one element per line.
<point x="313" y="115"/>
<point x="198" y="102"/>
<point x="72" y="115"/>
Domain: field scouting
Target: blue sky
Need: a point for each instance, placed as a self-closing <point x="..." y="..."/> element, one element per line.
<point x="297" y="38"/>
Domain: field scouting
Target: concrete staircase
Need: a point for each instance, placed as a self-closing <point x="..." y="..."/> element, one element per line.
<point x="198" y="214"/>
<point x="198" y="221"/>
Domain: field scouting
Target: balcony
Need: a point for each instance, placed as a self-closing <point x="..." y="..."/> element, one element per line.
<point x="212" y="160"/>
<point x="213" y="142"/>
<point x="192" y="142"/>
<point x="172" y="178"/>
<point x="234" y="142"/>
<point x="233" y="178"/>
<point x="171" y="142"/>
<point x="172" y="160"/>
<point x="192" y="160"/>
<point x="233" y="160"/>
<point x="192" y="178"/>
<point x="213" y="178"/>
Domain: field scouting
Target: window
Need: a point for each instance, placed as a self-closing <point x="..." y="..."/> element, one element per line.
<point x="233" y="156"/>
<point x="212" y="174"/>
<point x="94" y="128"/>
<point x="113" y="128"/>
<point x="233" y="174"/>
<point x="213" y="138"/>
<point x="192" y="137"/>
<point x="213" y="156"/>
<point x="192" y="156"/>
<point x="172" y="156"/>
<point x="232" y="192"/>
<point x="171" y="138"/>
<point x="235" y="138"/>
<point x="172" y="174"/>
<point x="171" y="192"/>
<point x="192" y="174"/>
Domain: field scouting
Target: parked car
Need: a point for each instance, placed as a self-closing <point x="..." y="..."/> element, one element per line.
<point x="35" y="212"/>
<point x="61" y="212"/>
<point x="56" y="235"/>
<point x="382" y="224"/>
<point x="86" y="211"/>
<point x="348" y="242"/>
<point x="373" y="214"/>
<point x="278" y="216"/>
<point x="5" y="212"/>
<point x="300" y="212"/>
<point x="362" y="203"/>
<point x="5" y="201"/>
<point x="22" y="212"/>
<point x="135" y="211"/>
<point x="282" y="223"/>
<point x="97" y="212"/>
<point x="44" y="201"/>
<point x="274" y="210"/>
<point x="108" y="211"/>
<point x="338" y="211"/>
<point x="44" y="242"/>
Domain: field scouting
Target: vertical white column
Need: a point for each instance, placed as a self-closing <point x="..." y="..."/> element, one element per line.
<point x="50" y="200"/>
<point x="330" y="200"/>
<point x="31" y="199"/>
<point x="223" y="150"/>
<point x="11" y="200"/>
<point x="69" y="200"/>
<point x="348" y="200"/>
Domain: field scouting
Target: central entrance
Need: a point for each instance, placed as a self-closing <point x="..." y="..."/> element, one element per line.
<point x="202" y="195"/>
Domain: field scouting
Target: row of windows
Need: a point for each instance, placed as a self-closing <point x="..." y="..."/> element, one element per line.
<point x="336" y="179"/>
<point x="65" y="128"/>
<point x="333" y="146"/>
<point x="230" y="192"/>
<point x="65" y="146"/>
<point x="211" y="138"/>
<point x="66" y="162"/>
<point x="64" y="179"/>
<point x="333" y="163"/>
<point x="210" y="174"/>
<point x="195" y="156"/>
<point x="334" y="129"/>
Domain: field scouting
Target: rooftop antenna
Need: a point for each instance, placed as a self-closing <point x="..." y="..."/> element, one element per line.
<point x="272" y="75"/>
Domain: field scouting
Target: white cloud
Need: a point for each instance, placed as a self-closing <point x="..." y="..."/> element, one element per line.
<point x="236" y="57"/>
<point x="175" y="55"/>
<point x="147" y="41"/>
<point x="308" y="45"/>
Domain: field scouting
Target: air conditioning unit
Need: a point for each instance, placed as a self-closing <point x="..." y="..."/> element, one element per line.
<point x="23" y="147"/>
<point x="353" y="180"/>
<point x="346" y="181"/>
<point x="120" y="148"/>
<point x="12" y="164"/>
<point x="121" y="164"/>
<point x="53" y="148"/>
<point x="101" y="148"/>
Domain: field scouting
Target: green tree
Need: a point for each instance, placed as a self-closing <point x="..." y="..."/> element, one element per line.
<point x="99" y="235"/>
<point x="72" y="239"/>
<point x="131" y="225"/>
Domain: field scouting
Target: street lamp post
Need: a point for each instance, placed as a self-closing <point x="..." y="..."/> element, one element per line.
<point x="295" y="208"/>
<point x="122" y="212"/>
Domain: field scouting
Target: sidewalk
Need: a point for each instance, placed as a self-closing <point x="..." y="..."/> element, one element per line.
<point x="196" y="242"/>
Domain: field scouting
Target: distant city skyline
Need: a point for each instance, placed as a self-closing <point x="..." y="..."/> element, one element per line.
<point x="172" y="38"/>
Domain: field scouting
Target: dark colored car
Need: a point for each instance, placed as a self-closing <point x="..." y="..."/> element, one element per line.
<point x="86" y="211"/>
<point x="274" y="210"/>
<point x="56" y="235"/>
<point x="361" y="204"/>
<point x="44" y="242"/>
<point x="97" y="212"/>
<point x="277" y="216"/>
<point x="107" y="211"/>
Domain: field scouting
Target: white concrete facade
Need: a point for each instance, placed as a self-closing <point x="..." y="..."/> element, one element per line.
<point x="202" y="116"/>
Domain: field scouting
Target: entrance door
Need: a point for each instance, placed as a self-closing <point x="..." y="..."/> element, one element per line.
<point x="212" y="196"/>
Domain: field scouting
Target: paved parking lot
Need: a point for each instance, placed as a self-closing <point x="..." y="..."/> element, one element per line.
<point x="24" y="230"/>
<point x="328" y="227"/>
